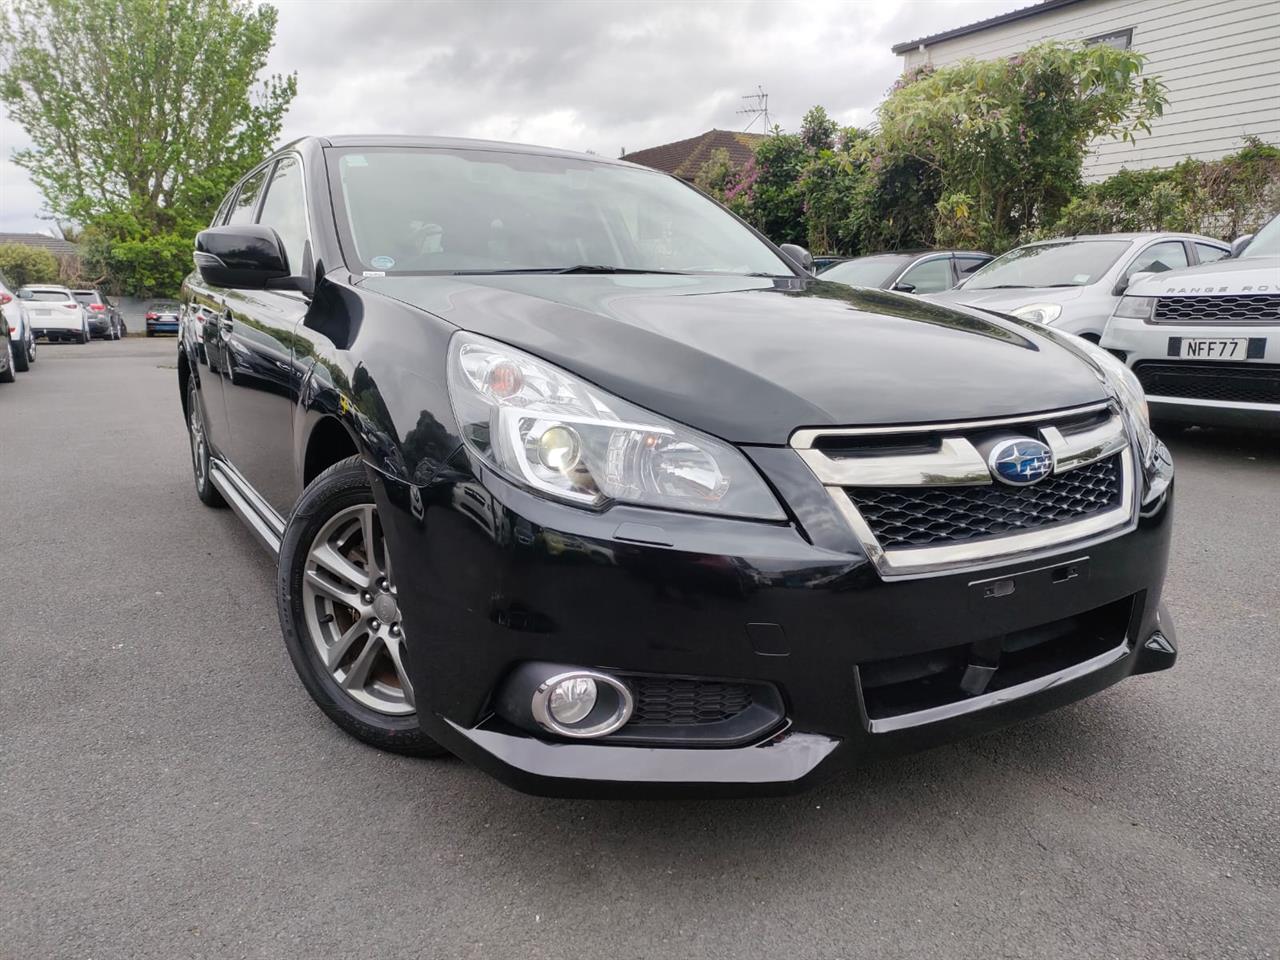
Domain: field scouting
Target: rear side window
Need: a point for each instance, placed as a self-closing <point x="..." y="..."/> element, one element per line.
<point x="1208" y="254"/>
<point x="247" y="199"/>
<point x="285" y="210"/>
<point x="967" y="265"/>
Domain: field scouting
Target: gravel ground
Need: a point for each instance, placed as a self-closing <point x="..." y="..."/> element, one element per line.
<point x="167" y="789"/>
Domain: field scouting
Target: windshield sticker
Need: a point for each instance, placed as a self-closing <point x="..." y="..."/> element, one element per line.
<point x="1080" y="278"/>
<point x="383" y="263"/>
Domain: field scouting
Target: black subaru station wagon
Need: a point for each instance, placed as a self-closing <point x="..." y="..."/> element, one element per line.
<point x="573" y="474"/>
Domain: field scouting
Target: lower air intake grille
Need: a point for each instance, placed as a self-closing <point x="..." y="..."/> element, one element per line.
<point x="663" y="701"/>
<point x="918" y="516"/>
<point x="1233" y="382"/>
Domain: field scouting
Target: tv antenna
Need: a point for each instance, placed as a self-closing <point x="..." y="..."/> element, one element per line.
<point x="757" y="109"/>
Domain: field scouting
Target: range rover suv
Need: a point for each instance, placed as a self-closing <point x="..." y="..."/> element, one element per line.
<point x="573" y="474"/>
<point x="1205" y="342"/>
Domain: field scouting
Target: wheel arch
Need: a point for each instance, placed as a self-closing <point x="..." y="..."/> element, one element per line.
<point x="328" y="442"/>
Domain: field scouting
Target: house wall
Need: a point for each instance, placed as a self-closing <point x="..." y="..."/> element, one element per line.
<point x="1220" y="60"/>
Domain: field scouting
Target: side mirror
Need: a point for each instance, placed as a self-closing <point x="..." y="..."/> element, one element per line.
<point x="902" y="286"/>
<point x="247" y="256"/>
<point x="1239" y="243"/>
<point x="1124" y="283"/>
<point x="799" y="255"/>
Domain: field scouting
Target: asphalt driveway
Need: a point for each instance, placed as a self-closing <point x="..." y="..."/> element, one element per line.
<point x="168" y="790"/>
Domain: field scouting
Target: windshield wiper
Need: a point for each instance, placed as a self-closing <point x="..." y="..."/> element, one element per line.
<point x="578" y="268"/>
<point x="1004" y="286"/>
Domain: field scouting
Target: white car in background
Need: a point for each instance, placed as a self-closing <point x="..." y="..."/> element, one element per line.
<point x="1205" y="342"/>
<point x="1073" y="283"/>
<point x="54" y="313"/>
<point x="14" y="319"/>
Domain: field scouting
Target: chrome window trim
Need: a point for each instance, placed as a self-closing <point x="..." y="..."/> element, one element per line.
<point x="1071" y="451"/>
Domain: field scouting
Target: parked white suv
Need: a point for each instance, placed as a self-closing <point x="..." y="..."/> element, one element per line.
<point x="1205" y="342"/>
<point x="54" y="313"/>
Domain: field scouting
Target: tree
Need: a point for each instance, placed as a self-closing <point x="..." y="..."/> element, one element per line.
<point x="148" y="109"/>
<point x="23" y="264"/>
<point x="1006" y="138"/>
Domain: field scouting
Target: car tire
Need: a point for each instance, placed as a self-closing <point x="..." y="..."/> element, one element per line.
<point x="151" y="333"/>
<point x="200" y="455"/>
<point x="365" y="708"/>
<point x="6" y="375"/>
<point x="84" y="336"/>
<point x="21" y="358"/>
<point x="31" y="351"/>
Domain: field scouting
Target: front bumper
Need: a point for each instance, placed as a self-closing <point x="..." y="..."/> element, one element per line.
<point x="1143" y="343"/>
<point x="491" y="577"/>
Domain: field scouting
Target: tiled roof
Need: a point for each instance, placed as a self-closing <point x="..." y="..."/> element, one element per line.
<point x="685" y="158"/>
<point x="53" y="245"/>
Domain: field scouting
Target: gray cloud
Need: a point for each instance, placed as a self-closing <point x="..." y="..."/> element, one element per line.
<point x="583" y="74"/>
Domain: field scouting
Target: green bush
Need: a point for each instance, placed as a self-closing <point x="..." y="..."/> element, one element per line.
<point x="23" y="264"/>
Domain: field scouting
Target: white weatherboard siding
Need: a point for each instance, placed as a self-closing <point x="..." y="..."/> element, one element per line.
<point x="1220" y="60"/>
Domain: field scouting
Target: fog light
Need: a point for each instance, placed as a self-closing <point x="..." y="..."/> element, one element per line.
<point x="571" y="700"/>
<point x="579" y="703"/>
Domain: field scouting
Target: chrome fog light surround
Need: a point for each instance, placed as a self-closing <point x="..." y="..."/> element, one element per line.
<point x="612" y="707"/>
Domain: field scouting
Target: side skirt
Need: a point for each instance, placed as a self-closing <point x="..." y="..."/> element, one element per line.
<point x="257" y="514"/>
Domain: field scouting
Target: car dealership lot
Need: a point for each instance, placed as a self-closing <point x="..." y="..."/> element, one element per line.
<point x="169" y="790"/>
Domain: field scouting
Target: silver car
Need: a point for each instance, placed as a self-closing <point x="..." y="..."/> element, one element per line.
<point x="1074" y="283"/>
<point x="15" y="319"/>
<point x="1205" y="342"/>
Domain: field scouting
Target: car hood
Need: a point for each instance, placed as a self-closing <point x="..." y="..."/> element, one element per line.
<point x="1246" y="275"/>
<point x="1007" y="300"/>
<point x="752" y="359"/>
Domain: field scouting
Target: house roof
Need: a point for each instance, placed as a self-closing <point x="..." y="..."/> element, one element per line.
<point x="685" y="158"/>
<point x="52" y="244"/>
<point x="1022" y="13"/>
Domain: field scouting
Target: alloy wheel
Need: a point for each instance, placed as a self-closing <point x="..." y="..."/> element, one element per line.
<point x="353" y="614"/>
<point x="199" y="451"/>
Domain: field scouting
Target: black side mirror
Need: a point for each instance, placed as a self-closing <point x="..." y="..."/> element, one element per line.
<point x="902" y="286"/>
<point x="247" y="256"/>
<point x="1239" y="243"/>
<point x="1124" y="283"/>
<point x="799" y="255"/>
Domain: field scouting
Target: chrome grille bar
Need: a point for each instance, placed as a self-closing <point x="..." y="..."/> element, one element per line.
<point x="958" y="462"/>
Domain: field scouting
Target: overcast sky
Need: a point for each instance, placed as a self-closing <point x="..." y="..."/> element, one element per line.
<point x="583" y="74"/>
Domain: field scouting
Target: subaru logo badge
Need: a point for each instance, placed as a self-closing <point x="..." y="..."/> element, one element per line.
<point x="1020" y="462"/>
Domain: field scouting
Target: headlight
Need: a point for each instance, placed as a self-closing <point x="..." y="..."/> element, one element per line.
<point x="1137" y="308"/>
<point x="1039" y="312"/>
<point x="548" y="430"/>
<point x="1126" y="388"/>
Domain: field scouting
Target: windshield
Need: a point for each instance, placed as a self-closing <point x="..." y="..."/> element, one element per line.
<point x="1266" y="242"/>
<point x="1073" y="263"/>
<point x="867" y="271"/>
<point x="475" y="211"/>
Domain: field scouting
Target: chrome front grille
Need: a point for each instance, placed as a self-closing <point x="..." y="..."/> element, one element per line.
<point x="919" y="516"/>
<point x="922" y="500"/>
<point x="1248" y="309"/>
